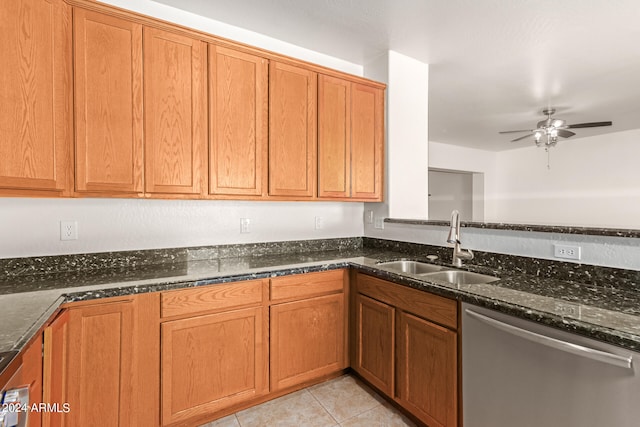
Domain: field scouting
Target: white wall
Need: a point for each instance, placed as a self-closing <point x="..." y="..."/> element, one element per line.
<point x="407" y="137"/>
<point x="449" y="191"/>
<point x="602" y="168"/>
<point x="616" y="252"/>
<point x="217" y="28"/>
<point x="30" y="227"/>
<point x="593" y="182"/>
<point x="482" y="162"/>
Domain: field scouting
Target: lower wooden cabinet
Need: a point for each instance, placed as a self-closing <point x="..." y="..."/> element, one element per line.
<point x="184" y="357"/>
<point x="308" y="328"/>
<point x="28" y="373"/>
<point x="99" y="360"/>
<point x="374" y="355"/>
<point x="406" y="345"/>
<point x="211" y="362"/>
<point x="307" y="340"/>
<point x="426" y="382"/>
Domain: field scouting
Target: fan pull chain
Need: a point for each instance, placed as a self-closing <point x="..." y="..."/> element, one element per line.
<point x="548" y="157"/>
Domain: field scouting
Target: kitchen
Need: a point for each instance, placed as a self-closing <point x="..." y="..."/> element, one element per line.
<point x="32" y="226"/>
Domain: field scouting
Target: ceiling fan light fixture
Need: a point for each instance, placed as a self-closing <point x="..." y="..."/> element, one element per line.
<point x="537" y="135"/>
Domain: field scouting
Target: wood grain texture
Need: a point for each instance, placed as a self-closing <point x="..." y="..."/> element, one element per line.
<point x="287" y="288"/>
<point x="32" y="375"/>
<point x="292" y="131"/>
<point x="108" y="103"/>
<point x="334" y="137"/>
<point x="212" y="298"/>
<point x="432" y="307"/>
<point x="367" y="142"/>
<point x="211" y="362"/>
<point x="35" y="102"/>
<point x="146" y="360"/>
<point x="238" y="111"/>
<point x="101" y="377"/>
<point x="175" y="120"/>
<point x="252" y="50"/>
<point x="306" y="340"/>
<point x="55" y="368"/>
<point x="427" y="370"/>
<point x="374" y="343"/>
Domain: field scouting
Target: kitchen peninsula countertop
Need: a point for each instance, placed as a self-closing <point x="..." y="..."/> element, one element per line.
<point x="605" y="313"/>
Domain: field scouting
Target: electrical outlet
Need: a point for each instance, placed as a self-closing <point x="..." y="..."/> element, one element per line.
<point x="567" y="309"/>
<point x="368" y="217"/>
<point x="379" y="223"/>
<point x="566" y="251"/>
<point x="245" y="225"/>
<point x="319" y="225"/>
<point x="68" y="230"/>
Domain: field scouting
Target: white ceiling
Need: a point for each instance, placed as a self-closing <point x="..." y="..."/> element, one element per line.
<point x="494" y="64"/>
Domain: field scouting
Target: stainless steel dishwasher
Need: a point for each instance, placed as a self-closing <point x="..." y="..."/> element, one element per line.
<point x="520" y="373"/>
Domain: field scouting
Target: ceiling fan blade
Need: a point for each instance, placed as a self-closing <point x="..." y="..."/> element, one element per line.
<point x="515" y="131"/>
<point x="565" y="133"/>
<point x="589" y="125"/>
<point x="522" y="137"/>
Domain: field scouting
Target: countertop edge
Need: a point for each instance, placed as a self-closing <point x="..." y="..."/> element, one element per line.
<point x="616" y="337"/>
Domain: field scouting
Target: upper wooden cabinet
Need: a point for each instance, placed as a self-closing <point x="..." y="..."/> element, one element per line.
<point x="238" y="132"/>
<point x="35" y="99"/>
<point x="292" y="131"/>
<point x="102" y="102"/>
<point x="367" y="142"/>
<point x="350" y="140"/>
<point x="334" y="137"/>
<point x="108" y="103"/>
<point x="175" y="121"/>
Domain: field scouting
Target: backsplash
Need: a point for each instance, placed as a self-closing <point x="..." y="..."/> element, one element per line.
<point x="137" y="259"/>
<point x="176" y="258"/>
<point x="581" y="273"/>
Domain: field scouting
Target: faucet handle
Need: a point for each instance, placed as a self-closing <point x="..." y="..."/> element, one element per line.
<point x="432" y="258"/>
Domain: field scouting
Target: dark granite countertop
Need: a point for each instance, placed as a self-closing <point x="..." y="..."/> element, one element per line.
<point x="600" y="311"/>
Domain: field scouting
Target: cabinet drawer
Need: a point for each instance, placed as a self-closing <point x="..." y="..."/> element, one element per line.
<point x="306" y="285"/>
<point x="443" y="311"/>
<point x="212" y="298"/>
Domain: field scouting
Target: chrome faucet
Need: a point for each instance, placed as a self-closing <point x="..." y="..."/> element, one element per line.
<point x="454" y="237"/>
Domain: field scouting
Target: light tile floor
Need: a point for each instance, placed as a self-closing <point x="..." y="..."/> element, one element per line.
<point x="343" y="401"/>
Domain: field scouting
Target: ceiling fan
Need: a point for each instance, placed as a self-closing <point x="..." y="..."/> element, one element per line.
<point x="547" y="131"/>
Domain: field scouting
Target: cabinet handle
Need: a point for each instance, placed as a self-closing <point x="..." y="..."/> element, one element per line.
<point x="579" y="350"/>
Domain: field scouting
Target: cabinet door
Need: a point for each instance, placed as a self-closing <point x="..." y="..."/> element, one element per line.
<point x="108" y="103"/>
<point x="100" y="375"/>
<point x="238" y="108"/>
<point x="367" y="142"/>
<point x="334" y="137"/>
<point x="292" y="131"/>
<point x="35" y="99"/>
<point x="175" y="121"/>
<point x="55" y="371"/>
<point x="211" y="362"/>
<point x="427" y="370"/>
<point x="375" y="343"/>
<point x="307" y="340"/>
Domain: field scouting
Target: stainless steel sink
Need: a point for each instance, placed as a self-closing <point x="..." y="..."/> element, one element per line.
<point x="458" y="277"/>
<point x="412" y="267"/>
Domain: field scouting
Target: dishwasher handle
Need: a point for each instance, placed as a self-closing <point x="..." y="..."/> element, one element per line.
<point x="591" y="353"/>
